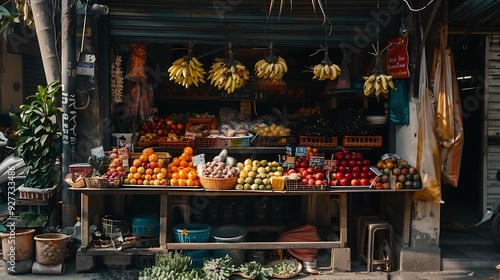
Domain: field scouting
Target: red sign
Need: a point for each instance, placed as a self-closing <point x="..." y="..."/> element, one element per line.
<point x="397" y="58"/>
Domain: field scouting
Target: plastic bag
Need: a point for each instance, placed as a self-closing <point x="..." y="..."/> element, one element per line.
<point x="399" y="111"/>
<point x="451" y="154"/>
<point x="428" y="158"/>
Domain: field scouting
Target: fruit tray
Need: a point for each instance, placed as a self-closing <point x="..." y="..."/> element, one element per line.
<point x="293" y="185"/>
<point x="318" y="141"/>
<point x="362" y="141"/>
<point x="271" y="141"/>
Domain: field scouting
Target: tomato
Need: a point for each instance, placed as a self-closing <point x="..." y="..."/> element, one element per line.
<point x="180" y="126"/>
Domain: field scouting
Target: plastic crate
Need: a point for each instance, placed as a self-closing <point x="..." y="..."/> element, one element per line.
<point x="232" y="142"/>
<point x="146" y="224"/>
<point x="144" y="261"/>
<point x="163" y="143"/>
<point x="204" y="142"/>
<point x="264" y="141"/>
<point x="294" y="185"/>
<point x="318" y="141"/>
<point x="192" y="233"/>
<point x="362" y="141"/>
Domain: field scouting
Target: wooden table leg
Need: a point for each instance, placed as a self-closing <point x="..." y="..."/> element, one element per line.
<point x="406" y="220"/>
<point x="84" y="219"/>
<point x="343" y="219"/>
<point x="163" y="220"/>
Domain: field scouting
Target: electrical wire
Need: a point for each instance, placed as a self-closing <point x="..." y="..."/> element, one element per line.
<point x="419" y="9"/>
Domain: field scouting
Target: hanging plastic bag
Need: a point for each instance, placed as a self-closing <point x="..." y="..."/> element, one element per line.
<point x="428" y="158"/>
<point x="444" y="98"/>
<point x="451" y="156"/>
<point x="399" y="112"/>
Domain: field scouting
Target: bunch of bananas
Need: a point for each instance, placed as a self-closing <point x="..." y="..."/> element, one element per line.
<point x="378" y="84"/>
<point x="326" y="69"/>
<point x="187" y="70"/>
<point x="228" y="74"/>
<point x="271" y="67"/>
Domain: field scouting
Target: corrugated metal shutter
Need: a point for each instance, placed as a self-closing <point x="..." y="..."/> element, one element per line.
<point x="492" y="102"/>
<point x="245" y="23"/>
<point x="33" y="74"/>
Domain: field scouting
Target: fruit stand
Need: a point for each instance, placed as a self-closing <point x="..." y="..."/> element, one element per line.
<point x="90" y="207"/>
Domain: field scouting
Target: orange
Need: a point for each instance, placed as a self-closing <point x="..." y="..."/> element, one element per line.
<point x="173" y="182"/>
<point x="137" y="162"/>
<point x="164" y="171"/>
<point x="149" y="171"/>
<point x="133" y="181"/>
<point x="196" y="182"/>
<point x="156" y="170"/>
<point x="189" y="182"/>
<point x="160" y="176"/>
<point x="176" y="161"/>
<point x="144" y="157"/>
<point x="315" y="151"/>
<point x="183" y="174"/>
<point x="175" y="175"/>
<point x="181" y="182"/>
<point x="174" y="169"/>
<point x="139" y="181"/>
<point x="160" y="163"/>
<point x="130" y="176"/>
<point x="137" y="176"/>
<point x="163" y="182"/>
<point x="132" y="169"/>
<point x="147" y="177"/>
<point x="183" y="163"/>
<point x="192" y="175"/>
<point x="153" y="158"/>
<point x="190" y="164"/>
<point x="188" y="151"/>
<point x="148" y="151"/>
<point x="141" y="170"/>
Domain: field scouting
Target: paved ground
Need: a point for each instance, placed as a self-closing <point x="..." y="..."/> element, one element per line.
<point x="132" y="274"/>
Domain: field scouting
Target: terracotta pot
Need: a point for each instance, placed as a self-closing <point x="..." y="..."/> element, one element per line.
<point x="17" y="245"/>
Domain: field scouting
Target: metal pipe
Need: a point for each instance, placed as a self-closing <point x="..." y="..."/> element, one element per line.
<point x="68" y="102"/>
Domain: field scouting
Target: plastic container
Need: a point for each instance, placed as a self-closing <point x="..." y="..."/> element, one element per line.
<point x="51" y="248"/>
<point x="197" y="257"/>
<point x="192" y="233"/>
<point x="146" y="224"/>
<point x="230" y="234"/>
<point x="110" y="224"/>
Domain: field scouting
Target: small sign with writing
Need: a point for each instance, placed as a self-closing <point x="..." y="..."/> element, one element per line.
<point x="188" y="135"/>
<point x="243" y="95"/>
<point x="329" y="164"/>
<point x="98" y="152"/>
<point x="198" y="159"/>
<point x="85" y="68"/>
<point x="300" y="151"/>
<point x="397" y="58"/>
<point x="315" y="161"/>
<point x="289" y="162"/>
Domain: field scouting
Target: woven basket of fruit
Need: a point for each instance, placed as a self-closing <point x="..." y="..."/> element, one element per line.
<point x="218" y="183"/>
<point x="285" y="268"/>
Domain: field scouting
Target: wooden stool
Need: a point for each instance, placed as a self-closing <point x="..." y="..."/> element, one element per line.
<point x="360" y="224"/>
<point x="385" y="246"/>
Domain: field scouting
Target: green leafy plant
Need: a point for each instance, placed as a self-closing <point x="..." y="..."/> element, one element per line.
<point x="40" y="138"/>
<point x="171" y="267"/>
<point x="7" y="19"/>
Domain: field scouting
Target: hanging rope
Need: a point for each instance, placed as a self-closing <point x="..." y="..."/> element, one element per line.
<point x="419" y="9"/>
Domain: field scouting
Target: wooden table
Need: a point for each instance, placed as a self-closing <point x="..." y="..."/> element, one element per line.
<point x="89" y="194"/>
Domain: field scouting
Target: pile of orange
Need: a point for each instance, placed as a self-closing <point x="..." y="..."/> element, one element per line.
<point x="148" y="169"/>
<point x="181" y="171"/>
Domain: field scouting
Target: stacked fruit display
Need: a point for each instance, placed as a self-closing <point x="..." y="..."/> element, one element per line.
<point x="181" y="170"/>
<point x="405" y="175"/>
<point x="273" y="130"/>
<point x="256" y="175"/>
<point x="115" y="171"/>
<point x="352" y="169"/>
<point x="308" y="175"/>
<point x="157" y="126"/>
<point x="148" y="169"/>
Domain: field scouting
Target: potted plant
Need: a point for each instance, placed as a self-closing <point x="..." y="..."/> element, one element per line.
<point x="39" y="143"/>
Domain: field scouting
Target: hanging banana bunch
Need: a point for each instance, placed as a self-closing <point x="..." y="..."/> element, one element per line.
<point x="326" y="69"/>
<point x="228" y="73"/>
<point x="271" y="67"/>
<point x="378" y="83"/>
<point x="187" y="70"/>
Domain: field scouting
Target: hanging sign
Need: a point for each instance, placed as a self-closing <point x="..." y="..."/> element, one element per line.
<point x="397" y="58"/>
<point x="243" y="95"/>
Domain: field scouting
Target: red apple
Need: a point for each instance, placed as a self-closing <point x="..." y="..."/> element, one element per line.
<point x="348" y="176"/>
<point x="362" y="175"/>
<point x="344" y="182"/>
<point x="364" y="182"/>
<point x="339" y="175"/>
<point x="365" y="168"/>
<point x="344" y="163"/>
<point x="318" y="183"/>
<point x="339" y="156"/>
<point x="304" y="164"/>
<point x="318" y="176"/>
<point x="303" y="181"/>
<point x="345" y="151"/>
<point x="359" y="156"/>
<point x="352" y="163"/>
<point x="355" y="182"/>
<point x="347" y="157"/>
<point x="347" y="169"/>
<point x="333" y="182"/>
<point x="370" y="174"/>
<point x="311" y="182"/>
<point x="341" y="168"/>
<point x="324" y="182"/>
<point x="356" y="169"/>
<point x="366" y="162"/>
<point x="310" y="170"/>
<point x="359" y="162"/>
<point x="304" y="173"/>
<point x="309" y="176"/>
<point x="333" y="176"/>
<point x="355" y="175"/>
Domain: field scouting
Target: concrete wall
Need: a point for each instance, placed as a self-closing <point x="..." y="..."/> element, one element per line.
<point x="11" y="73"/>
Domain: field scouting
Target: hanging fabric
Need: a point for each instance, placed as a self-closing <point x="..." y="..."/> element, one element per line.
<point x="399" y="112"/>
<point x="428" y="158"/>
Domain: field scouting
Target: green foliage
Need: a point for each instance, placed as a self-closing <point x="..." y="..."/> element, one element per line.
<point x="171" y="267"/>
<point x="40" y="138"/>
<point x="218" y="268"/>
<point x="30" y="219"/>
<point x="7" y="18"/>
<point x="255" y="270"/>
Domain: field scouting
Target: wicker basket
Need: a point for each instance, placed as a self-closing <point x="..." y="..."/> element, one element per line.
<point x="94" y="182"/>
<point x="218" y="183"/>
